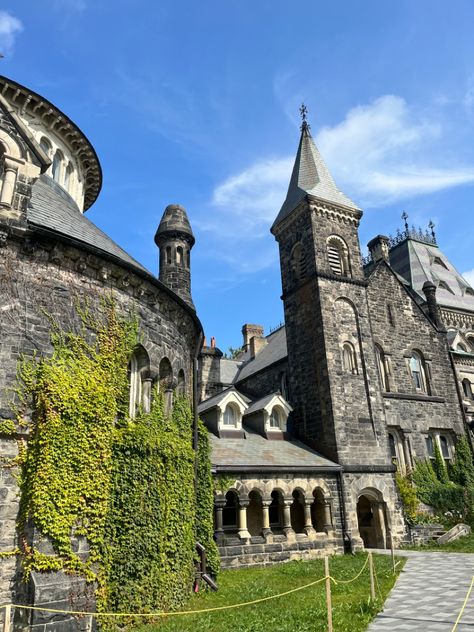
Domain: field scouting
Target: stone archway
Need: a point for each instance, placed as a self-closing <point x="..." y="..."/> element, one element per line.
<point x="371" y="519"/>
<point x="255" y="513"/>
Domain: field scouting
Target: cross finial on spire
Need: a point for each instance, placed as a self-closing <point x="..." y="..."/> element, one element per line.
<point x="404" y="218"/>
<point x="431" y="226"/>
<point x="304" y="112"/>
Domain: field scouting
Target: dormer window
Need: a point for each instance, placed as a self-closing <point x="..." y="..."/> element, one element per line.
<point x="440" y="262"/>
<point x="444" y="286"/>
<point x="230" y="416"/>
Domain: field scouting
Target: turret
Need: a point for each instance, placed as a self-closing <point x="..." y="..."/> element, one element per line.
<point x="175" y="239"/>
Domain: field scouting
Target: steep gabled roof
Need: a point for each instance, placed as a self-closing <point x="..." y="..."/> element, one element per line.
<point x="310" y="176"/>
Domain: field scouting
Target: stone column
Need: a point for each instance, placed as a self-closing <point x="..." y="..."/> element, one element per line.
<point x="10" y="170"/>
<point x="266" y="530"/>
<point x="146" y="394"/>
<point x="308" y="525"/>
<point x="379" y="520"/>
<point x="328" y="526"/>
<point x="287" y="528"/>
<point x="168" y="402"/>
<point x="219" y="504"/>
<point x="242" y="530"/>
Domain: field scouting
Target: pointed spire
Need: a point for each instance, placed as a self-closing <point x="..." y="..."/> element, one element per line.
<point x="310" y="176"/>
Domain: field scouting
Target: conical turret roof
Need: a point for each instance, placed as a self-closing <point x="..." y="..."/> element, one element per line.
<point x="310" y="176"/>
<point x="174" y="222"/>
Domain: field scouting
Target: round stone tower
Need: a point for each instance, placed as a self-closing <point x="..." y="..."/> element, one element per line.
<point x="175" y="239"/>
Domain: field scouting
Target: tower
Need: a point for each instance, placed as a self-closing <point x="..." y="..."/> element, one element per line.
<point x="175" y="239"/>
<point x="334" y="387"/>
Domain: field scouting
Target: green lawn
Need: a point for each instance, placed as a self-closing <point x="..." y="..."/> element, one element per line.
<point x="463" y="545"/>
<point x="304" y="611"/>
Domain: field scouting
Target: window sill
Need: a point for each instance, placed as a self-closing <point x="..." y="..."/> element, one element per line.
<point x="419" y="397"/>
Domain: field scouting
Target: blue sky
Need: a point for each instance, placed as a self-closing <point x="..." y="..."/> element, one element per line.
<point x="196" y="103"/>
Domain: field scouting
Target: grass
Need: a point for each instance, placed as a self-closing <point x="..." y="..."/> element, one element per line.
<point x="463" y="545"/>
<point x="304" y="610"/>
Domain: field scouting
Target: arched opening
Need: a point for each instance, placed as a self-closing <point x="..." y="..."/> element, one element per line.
<point x="349" y="360"/>
<point x="467" y="389"/>
<point x="181" y="388"/>
<point x="165" y="375"/>
<point x="139" y="382"/>
<point x="276" y="511"/>
<point x="231" y="415"/>
<point x="179" y="256"/>
<point x="276" y="418"/>
<point x="371" y="520"/>
<point x="318" y="509"/>
<point x="338" y="256"/>
<point x="58" y="162"/>
<point x="46" y="146"/>
<point x="255" y="513"/>
<point x="298" y="262"/>
<point x="168" y="255"/>
<point x="67" y="176"/>
<point x="230" y="511"/>
<point x="382" y="368"/>
<point x="297" y="511"/>
<point x="418" y="373"/>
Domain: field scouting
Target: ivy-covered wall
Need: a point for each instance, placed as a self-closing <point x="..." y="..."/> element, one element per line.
<point x="103" y="497"/>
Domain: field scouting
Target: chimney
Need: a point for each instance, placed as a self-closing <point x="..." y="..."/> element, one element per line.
<point x="250" y="331"/>
<point x="429" y="290"/>
<point x="378" y="248"/>
<point x="256" y="345"/>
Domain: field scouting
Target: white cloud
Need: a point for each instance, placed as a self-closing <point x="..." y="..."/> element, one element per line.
<point x="469" y="276"/>
<point x="380" y="153"/>
<point x="10" y="27"/>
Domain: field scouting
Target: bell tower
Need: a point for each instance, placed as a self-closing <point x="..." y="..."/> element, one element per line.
<point x="175" y="239"/>
<point x="334" y="387"/>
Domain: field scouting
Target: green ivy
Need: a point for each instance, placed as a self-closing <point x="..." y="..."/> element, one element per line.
<point x="126" y="486"/>
<point x="7" y="427"/>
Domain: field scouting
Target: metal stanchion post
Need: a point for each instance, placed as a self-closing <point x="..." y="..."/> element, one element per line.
<point x="328" y="593"/>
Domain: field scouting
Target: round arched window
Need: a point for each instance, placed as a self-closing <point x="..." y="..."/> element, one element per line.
<point x="230" y="416"/>
<point x="276" y="418"/>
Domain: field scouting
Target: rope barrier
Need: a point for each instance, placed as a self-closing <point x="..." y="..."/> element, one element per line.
<point x="201" y="611"/>
<point x="463" y="606"/>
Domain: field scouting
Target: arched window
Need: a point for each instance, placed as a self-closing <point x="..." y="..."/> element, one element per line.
<point x="168" y="254"/>
<point x="298" y="262"/>
<point x="230" y="415"/>
<point x="418" y="373"/>
<point x="382" y="368"/>
<point x="395" y="445"/>
<point x="181" y="388"/>
<point x="188" y="258"/>
<point x="58" y="162"/>
<point x="179" y="256"/>
<point x="444" y="447"/>
<point x="229" y="511"/>
<point x="165" y="375"/>
<point x="349" y="362"/>
<point x="338" y="257"/>
<point x="276" y="418"/>
<point x="46" y="146"/>
<point x="430" y="446"/>
<point x="390" y="318"/>
<point x="139" y="382"/>
<point x="67" y="176"/>
<point x="467" y="389"/>
<point x="470" y="340"/>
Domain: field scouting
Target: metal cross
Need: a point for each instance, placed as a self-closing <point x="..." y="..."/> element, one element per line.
<point x="304" y="112"/>
<point x="404" y="218"/>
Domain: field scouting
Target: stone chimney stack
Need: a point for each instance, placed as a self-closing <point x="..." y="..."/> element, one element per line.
<point x="429" y="290"/>
<point x="379" y="248"/>
<point x="251" y="331"/>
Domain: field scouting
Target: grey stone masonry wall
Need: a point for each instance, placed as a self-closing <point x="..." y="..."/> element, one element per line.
<point x="209" y="376"/>
<point x="400" y="327"/>
<point x="40" y="276"/>
<point x="266" y="381"/>
<point x="339" y="411"/>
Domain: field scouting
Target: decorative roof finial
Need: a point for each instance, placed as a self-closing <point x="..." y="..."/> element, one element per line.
<point x="404" y="218"/>
<point x="431" y="226"/>
<point x="304" y="112"/>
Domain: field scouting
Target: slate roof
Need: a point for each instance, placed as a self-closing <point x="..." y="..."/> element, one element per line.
<point x="419" y="262"/>
<point x="310" y="176"/>
<point x="257" y="452"/>
<point x="51" y="208"/>
<point x="274" y="351"/>
<point x="229" y="369"/>
<point x="207" y="404"/>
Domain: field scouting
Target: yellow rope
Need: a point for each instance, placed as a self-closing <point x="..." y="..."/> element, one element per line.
<point x="184" y="612"/>
<point x="349" y="581"/>
<point x="463" y="606"/>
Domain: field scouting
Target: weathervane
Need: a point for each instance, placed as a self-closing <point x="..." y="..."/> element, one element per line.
<point x="304" y="112"/>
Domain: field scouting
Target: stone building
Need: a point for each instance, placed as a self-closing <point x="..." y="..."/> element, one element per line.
<point x="365" y="367"/>
<point x="52" y="257"/>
